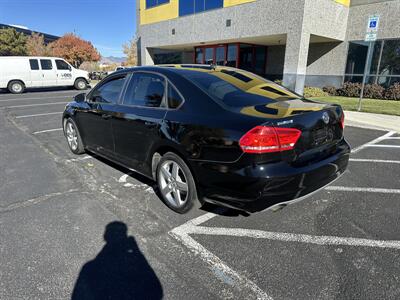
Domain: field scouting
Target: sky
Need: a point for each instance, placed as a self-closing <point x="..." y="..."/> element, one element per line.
<point x="106" y="23"/>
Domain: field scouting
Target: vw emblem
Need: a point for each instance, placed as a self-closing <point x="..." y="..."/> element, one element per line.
<point x="325" y="117"/>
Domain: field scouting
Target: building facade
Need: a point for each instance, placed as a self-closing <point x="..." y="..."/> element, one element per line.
<point x="48" y="38"/>
<point x="302" y="42"/>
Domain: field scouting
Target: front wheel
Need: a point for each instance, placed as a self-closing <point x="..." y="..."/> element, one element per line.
<point x="176" y="184"/>
<point x="73" y="137"/>
<point x="80" y="84"/>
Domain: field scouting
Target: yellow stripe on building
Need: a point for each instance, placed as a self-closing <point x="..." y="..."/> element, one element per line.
<point x="159" y="13"/>
<point x="228" y="3"/>
<point x="344" y="2"/>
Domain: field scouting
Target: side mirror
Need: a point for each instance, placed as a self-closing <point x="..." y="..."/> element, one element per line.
<point x="69" y="68"/>
<point x="80" y="98"/>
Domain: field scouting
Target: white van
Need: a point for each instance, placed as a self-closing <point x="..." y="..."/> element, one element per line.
<point x="20" y="72"/>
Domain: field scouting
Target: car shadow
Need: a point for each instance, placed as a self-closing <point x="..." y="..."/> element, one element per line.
<point x="120" y="271"/>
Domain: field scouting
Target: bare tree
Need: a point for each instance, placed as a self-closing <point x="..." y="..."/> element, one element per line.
<point x="130" y="50"/>
<point x="35" y="46"/>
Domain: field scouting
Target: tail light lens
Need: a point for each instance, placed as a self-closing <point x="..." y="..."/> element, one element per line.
<point x="342" y="120"/>
<point x="264" y="139"/>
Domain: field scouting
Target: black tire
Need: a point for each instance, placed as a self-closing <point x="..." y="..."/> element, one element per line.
<point x="16" y="87"/>
<point x="191" y="200"/>
<point x="79" y="148"/>
<point x="80" y="84"/>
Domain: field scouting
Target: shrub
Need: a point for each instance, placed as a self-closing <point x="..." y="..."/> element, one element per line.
<point x="393" y="92"/>
<point x="331" y="90"/>
<point x="374" y="91"/>
<point x="314" y="92"/>
<point x="350" y="89"/>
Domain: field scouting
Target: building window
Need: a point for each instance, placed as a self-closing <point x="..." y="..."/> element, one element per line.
<point x="188" y="7"/>
<point x="239" y="55"/>
<point x="246" y="55"/>
<point x="198" y="56"/>
<point x="220" y="55"/>
<point x="209" y="56"/>
<point x="153" y="3"/>
<point x="384" y="67"/>
<point x="231" y="57"/>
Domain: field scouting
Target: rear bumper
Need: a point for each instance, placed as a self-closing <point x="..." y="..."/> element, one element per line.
<point x="261" y="186"/>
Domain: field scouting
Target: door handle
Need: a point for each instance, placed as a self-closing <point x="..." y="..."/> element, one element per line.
<point x="106" y="117"/>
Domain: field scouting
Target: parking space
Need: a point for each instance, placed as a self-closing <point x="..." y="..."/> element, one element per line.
<point x="341" y="243"/>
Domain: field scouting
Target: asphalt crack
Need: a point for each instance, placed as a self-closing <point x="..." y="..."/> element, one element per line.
<point x="35" y="201"/>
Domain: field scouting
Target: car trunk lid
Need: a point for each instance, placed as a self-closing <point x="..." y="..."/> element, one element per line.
<point x="320" y="125"/>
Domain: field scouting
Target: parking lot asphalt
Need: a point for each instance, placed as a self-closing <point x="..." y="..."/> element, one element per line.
<point x="63" y="218"/>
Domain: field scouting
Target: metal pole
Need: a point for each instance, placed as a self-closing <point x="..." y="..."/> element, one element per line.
<point x="366" y="69"/>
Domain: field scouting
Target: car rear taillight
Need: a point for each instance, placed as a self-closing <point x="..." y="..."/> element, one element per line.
<point x="342" y="120"/>
<point x="264" y="139"/>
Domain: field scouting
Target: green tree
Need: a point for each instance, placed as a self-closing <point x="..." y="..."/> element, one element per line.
<point x="12" y="43"/>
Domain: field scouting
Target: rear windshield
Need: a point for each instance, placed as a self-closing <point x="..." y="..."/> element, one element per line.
<point x="226" y="92"/>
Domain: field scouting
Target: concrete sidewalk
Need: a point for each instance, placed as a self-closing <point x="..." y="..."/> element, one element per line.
<point x="372" y="121"/>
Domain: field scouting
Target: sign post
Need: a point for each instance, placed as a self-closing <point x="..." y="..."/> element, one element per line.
<point x="370" y="37"/>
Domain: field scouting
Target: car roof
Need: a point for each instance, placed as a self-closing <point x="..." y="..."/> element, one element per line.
<point x="244" y="80"/>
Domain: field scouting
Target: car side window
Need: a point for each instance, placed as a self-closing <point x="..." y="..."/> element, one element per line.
<point x="109" y="92"/>
<point x="174" y="98"/>
<point x="34" y="64"/>
<point x="46" y="64"/>
<point x="61" y="65"/>
<point x="145" y="89"/>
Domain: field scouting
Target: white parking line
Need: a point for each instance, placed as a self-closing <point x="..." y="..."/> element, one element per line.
<point x="182" y="234"/>
<point x="79" y="159"/>
<point x="377" y="140"/>
<point x="296" y="237"/>
<point x="38" y="115"/>
<point x="362" y="189"/>
<point x="392" y="138"/>
<point x="375" y="160"/>
<point x="31" y="105"/>
<point x="49" y="130"/>
<point x="38" y="94"/>
<point x="22" y="99"/>
<point x="383" y="146"/>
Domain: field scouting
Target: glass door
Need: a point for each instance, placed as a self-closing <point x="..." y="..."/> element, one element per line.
<point x="220" y="59"/>
<point x="209" y="55"/>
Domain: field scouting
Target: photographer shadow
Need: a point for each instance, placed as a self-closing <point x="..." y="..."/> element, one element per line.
<point x="119" y="271"/>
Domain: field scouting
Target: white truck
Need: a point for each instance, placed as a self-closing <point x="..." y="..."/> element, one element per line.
<point x="20" y="72"/>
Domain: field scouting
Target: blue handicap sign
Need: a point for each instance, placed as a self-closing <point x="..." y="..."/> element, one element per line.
<point x="372" y="24"/>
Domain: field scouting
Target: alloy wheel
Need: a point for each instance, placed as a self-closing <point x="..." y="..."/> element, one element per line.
<point x="173" y="183"/>
<point x="72" y="136"/>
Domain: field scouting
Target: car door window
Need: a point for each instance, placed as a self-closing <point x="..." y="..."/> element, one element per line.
<point x="34" y="64"/>
<point x="109" y="92"/>
<point x="46" y="64"/>
<point x="61" y="65"/>
<point x="145" y="89"/>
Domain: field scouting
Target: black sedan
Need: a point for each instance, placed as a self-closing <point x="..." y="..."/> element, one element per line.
<point x="211" y="134"/>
